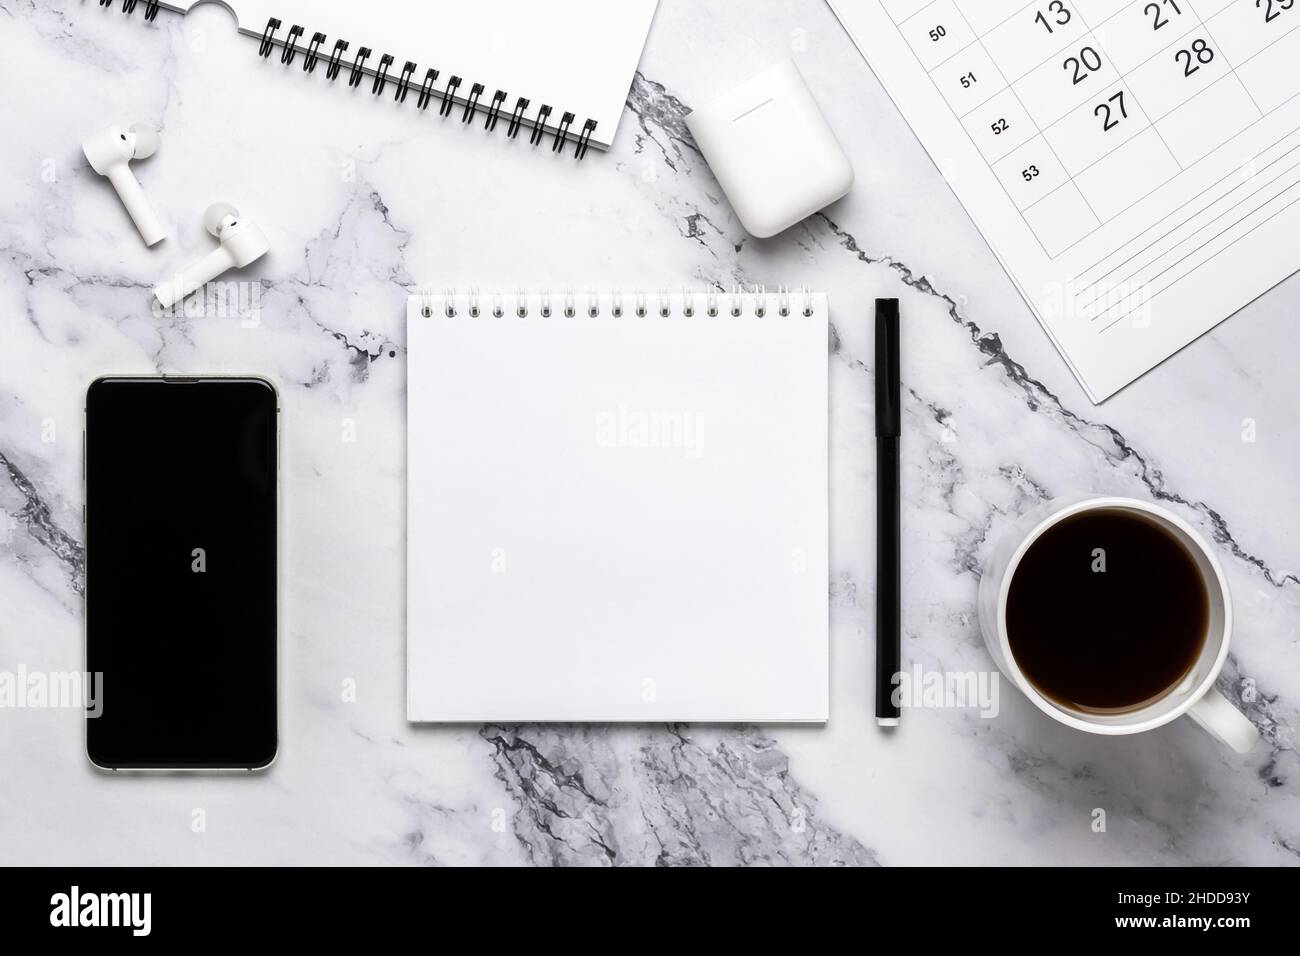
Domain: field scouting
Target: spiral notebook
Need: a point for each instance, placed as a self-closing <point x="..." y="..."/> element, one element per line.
<point x="617" y="507"/>
<point x="561" y="70"/>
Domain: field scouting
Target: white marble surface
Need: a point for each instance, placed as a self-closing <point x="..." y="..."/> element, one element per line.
<point x="362" y="199"/>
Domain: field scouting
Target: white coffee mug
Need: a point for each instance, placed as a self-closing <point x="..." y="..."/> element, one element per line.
<point x="1194" y="695"/>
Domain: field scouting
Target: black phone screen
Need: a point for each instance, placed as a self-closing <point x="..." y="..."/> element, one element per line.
<point x="181" y="620"/>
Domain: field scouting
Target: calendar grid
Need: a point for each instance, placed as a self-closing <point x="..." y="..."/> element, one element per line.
<point x="1088" y="154"/>
<point x="1009" y="86"/>
<point x="1220" y="252"/>
<point x="1233" y="71"/>
<point x="1162" y="116"/>
<point x="1217" y="182"/>
<point x="1242" y="217"/>
<point x="1123" y="79"/>
<point x="1091" y="285"/>
<point x="1158" y="140"/>
<point x="957" y="52"/>
<point x="1097" y="37"/>
<point x="912" y="16"/>
<point x="1157" y="188"/>
<point x="1097" y="298"/>
<point x="969" y="138"/>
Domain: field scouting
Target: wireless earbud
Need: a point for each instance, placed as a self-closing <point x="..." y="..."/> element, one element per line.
<point x="109" y="153"/>
<point x="241" y="243"/>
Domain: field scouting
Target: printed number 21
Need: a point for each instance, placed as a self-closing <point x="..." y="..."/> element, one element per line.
<point x="1158" y="19"/>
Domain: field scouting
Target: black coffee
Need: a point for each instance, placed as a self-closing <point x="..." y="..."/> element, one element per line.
<point x="1107" y="611"/>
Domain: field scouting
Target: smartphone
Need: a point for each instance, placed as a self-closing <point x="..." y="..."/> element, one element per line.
<point x="181" y="479"/>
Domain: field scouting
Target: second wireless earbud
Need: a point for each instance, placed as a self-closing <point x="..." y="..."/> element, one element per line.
<point x="109" y="153"/>
<point x="241" y="243"/>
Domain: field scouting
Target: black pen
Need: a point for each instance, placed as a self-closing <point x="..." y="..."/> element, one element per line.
<point x="888" y="524"/>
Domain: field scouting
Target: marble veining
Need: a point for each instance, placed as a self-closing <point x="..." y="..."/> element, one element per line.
<point x="363" y="200"/>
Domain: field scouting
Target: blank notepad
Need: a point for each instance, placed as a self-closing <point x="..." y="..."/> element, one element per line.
<point x="617" y="511"/>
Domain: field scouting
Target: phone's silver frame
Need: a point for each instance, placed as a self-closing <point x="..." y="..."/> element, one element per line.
<point x="279" y="572"/>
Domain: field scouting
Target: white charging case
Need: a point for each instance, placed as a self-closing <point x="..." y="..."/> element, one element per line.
<point x="771" y="150"/>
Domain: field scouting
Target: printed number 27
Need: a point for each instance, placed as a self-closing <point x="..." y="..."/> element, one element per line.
<point x="1109" y="122"/>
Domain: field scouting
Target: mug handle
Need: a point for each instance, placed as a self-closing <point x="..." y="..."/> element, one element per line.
<point x="1220" y="719"/>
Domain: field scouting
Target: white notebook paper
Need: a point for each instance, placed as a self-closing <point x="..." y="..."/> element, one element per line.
<point x="576" y="56"/>
<point x="1135" y="166"/>
<point x="615" y="516"/>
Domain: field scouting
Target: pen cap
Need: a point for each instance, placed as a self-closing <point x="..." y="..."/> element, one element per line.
<point x="887" y="377"/>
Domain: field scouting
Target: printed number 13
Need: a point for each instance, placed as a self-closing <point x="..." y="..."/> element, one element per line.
<point x="1061" y="15"/>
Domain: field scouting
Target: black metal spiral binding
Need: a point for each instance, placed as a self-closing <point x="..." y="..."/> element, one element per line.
<point x="562" y="133"/>
<point x="584" y="140"/>
<point x="128" y="7"/>
<point x="358" y="67"/>
<point x="312" y="54"/>
<point x="426" y="88"/>
<point x="517" y="117"/>
<point x="543" y="115"/>
<point x="336" y="59"/>
<point x="494" y="111"/>
<point x="381" y="75"/>
<point x="449" y="96"/>
<point x="290" y="46"/>
<point x="471" y="104"/>
<point x="267" y="45"/>
<point x="404" y="82"/>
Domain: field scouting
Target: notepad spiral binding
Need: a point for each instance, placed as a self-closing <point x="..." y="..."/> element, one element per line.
<point x="758" y="303"/>
<point x="128" y="7"/>
<point x="291" y="44"/>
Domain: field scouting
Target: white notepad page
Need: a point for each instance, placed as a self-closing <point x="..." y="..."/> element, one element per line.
<point x="617" y="518"/>
<point x="577" y="55"/>
<point x="1134" y="165"/>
